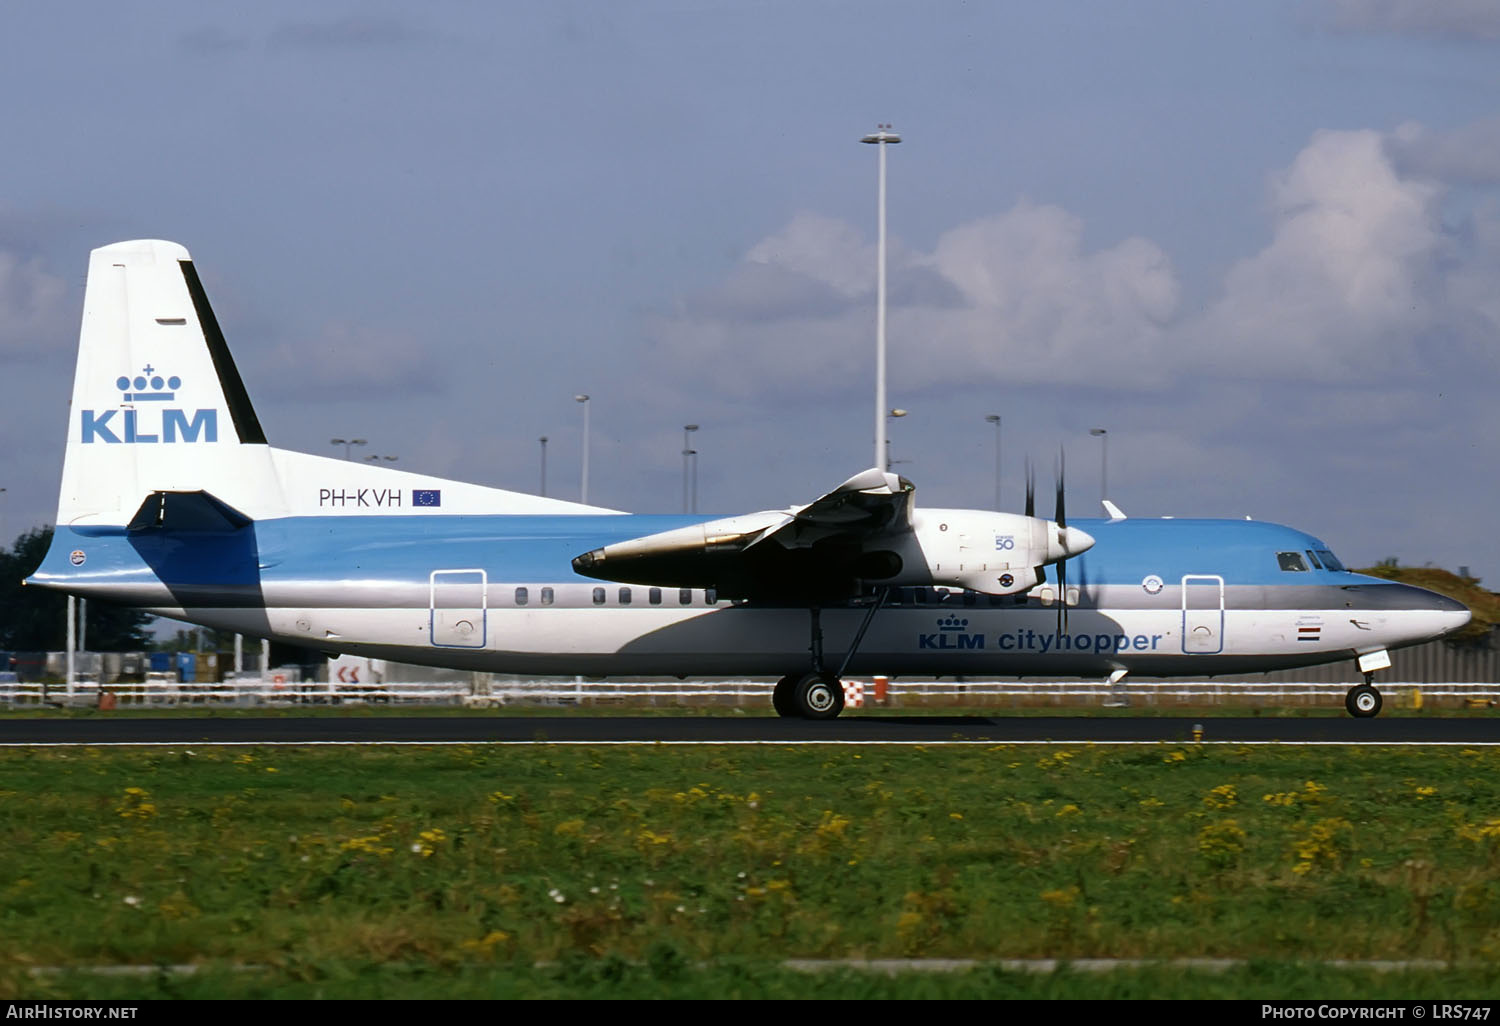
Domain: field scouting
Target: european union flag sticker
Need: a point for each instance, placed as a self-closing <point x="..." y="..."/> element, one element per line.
<point x="426" y="497"/>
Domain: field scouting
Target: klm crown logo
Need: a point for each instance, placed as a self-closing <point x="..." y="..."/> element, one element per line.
<point x="134" y="389"/>
<point x="953" y="624"/>
<point x="136" y="427"/>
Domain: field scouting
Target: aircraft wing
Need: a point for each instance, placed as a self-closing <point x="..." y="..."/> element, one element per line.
<point x="866" y="505"/>
<point x="821" y="549"/>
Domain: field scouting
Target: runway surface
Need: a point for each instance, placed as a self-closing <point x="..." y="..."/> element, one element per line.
<point x="583" y="729"/>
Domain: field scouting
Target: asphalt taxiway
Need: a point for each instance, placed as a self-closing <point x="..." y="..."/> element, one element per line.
<point x="879" y="729"/>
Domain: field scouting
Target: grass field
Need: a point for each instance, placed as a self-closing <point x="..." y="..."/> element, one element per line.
<point x="545" y="871"/>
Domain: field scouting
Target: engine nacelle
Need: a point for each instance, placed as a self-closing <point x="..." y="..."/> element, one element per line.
<point x="992" y="553"/>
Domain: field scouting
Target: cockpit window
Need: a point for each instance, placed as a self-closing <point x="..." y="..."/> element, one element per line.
<point x="1330" y="560"/>
<point x="1313" y="560"/>
<point x="1291" y="561"/>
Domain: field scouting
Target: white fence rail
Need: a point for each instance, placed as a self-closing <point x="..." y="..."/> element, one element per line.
<point x="732" y="692"/>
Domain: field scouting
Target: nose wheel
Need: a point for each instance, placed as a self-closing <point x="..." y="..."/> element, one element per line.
<point x="1363" y="701"/>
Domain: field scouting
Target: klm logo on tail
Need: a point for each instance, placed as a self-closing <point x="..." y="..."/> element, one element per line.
<point x="152" y="423"/>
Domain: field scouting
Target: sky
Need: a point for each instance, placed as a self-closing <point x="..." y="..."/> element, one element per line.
<point x="1257" y="244"/>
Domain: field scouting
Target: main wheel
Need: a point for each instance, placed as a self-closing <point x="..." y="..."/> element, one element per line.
<point x="781" y="698"/>
<point x="818" y="696"/>
<point x="1363" y="701"/>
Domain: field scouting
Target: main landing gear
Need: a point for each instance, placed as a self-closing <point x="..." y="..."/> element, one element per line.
<point x="1363" y="701"/>
<point x="819" y="694"/>
<point x="811" y="696"/>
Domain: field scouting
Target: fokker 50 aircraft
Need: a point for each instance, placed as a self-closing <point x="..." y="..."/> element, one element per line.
<point x="172" y="501"/>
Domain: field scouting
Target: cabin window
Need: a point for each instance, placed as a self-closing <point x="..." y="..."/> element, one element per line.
<point x="1330" y="561"/>
<point x="710" y="596"/>
<point x="1313" y="560"/>
<point x="996" y="600"/>
<point x="624" y="596"/>
<point x="655" y="596"/>
<point x="970" y="598"/>
<point x="546" y="596"/>
<point x="522" y="596"/>
<point x="1291" y="561"/>
<point x="598" y="596"/>
<point x="684" y="596"/>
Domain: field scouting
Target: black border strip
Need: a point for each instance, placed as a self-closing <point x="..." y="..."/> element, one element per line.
<point x="246" y="423"/>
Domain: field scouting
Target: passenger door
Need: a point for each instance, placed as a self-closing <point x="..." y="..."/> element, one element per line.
<point x="1202" y="614"/>
<point x="457" y="613"/>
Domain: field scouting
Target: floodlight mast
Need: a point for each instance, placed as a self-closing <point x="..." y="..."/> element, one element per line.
<point x="880" y="139"/>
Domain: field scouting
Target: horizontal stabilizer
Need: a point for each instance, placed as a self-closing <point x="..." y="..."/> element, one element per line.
<point x="186" y="511"/>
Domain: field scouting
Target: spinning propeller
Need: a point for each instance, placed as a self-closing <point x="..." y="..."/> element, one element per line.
<point x="1061" y="520"/>
<point x="1066" y="542"/>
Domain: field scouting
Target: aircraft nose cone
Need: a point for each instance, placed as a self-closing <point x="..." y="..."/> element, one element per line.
<point x="1454" y="613"/>
<point x="1075" y="540"/>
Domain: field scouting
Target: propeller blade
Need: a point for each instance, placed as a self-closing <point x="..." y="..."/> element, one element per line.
<point x="1062" y="597"/>
<point x="1062" y="526"/>
<point x="1062" y="473"/>
<point x="1041" y="571"/>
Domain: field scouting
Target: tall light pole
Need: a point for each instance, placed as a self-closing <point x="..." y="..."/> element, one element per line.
<point x="584" y="489"/>
<point x="880" y="139"/>
<point x="687" y="457"/>
<point x="543" y="440"/>
<point x="1103" y="436"/>
<point x="346" y="442"/>
<point x="994" y="418"/>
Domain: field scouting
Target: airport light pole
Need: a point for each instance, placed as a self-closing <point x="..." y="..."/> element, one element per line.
<point x="880" y="139"/>
<point x="994" y="418"/>
<point x="346" y="443"/>
<point x="688" y="452"/>
<point x="584" y="488"/>
<point x="543" y="441"/>
<point x="1103" y="437"/>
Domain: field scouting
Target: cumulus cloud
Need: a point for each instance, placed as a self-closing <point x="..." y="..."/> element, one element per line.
<point x="1016" y="295"/>
<point x="1478" y="19"/>
<point x="1036" y="307"/>
<point x="822" y="249"/>
<point x="1348" y="278"/>
<point x="33" y="306"/>
<point x="1364" y="279"/>
<point x="1368" y="279"/>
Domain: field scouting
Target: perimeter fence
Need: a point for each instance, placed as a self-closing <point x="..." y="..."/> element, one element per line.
<point x="750" y="694"/>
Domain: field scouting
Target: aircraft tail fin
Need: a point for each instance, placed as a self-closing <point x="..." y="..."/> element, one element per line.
<point x="159" y="408"/>
<point x="158" y="404"/>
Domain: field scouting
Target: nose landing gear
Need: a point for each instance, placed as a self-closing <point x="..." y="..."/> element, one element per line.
<point x="1363" y="701"/>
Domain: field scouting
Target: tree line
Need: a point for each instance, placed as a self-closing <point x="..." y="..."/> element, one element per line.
<point x="35" y="619"/>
